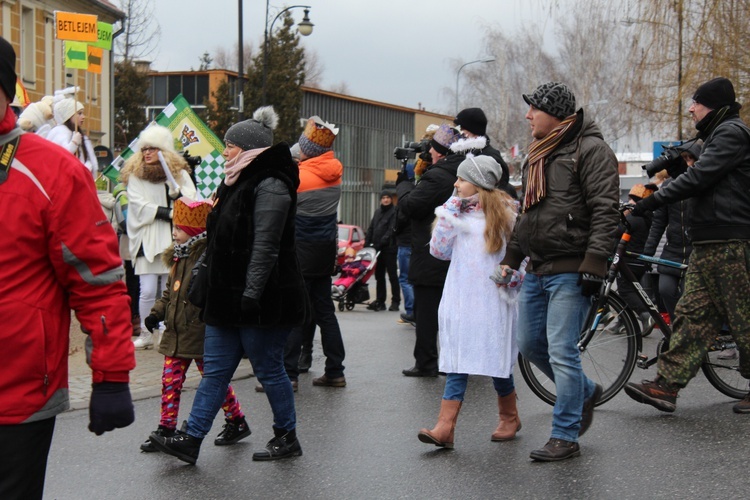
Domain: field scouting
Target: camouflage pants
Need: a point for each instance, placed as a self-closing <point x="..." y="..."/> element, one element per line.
<point x="717" y="292"/>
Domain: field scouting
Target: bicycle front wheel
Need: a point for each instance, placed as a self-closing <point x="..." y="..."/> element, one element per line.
<point x="722" y="368"/>
<point x="608" y="359"/>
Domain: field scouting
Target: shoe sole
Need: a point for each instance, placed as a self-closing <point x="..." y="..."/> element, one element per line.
<point x="741" y="411"/>
<point x="293" y="454"/>
<point x="337" y="384"/>
<point x="426" y="438"/>
<point x="547" y="458"/>
<point x="233" y="441"/>
<point x="176" y="454"/>
<point x="646" y="399"/>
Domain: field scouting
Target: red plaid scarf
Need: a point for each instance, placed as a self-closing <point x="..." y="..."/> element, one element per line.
<point x="536" y="185"/>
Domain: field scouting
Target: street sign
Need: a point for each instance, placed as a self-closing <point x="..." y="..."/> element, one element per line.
<point x="73" y="26"/>
<point x="95" y="59"/>
<point x="76" y="55"/>
<point x="104" y="36"/>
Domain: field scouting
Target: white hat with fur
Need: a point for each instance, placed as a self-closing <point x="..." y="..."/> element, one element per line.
<point x="156" y="136"/>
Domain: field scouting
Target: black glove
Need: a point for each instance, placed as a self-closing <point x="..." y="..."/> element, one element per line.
<point x="250" y="306"/>
<point x="590" y="284"/>
<point x="151" y="322"/>
<point x="163" y="213"/>
<point x="111" y="407"/>
<point x="647" y="204"/>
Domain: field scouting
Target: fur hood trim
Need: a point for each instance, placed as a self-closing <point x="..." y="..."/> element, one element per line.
<point x="198" y="247"/>
<point x="468" y="144"/>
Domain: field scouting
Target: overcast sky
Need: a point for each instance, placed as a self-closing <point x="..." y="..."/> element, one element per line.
<point x="393" y="51"/>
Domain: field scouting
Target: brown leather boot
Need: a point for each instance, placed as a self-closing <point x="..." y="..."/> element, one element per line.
<point x="509" y="421"/>
<point x="442" y="434"/>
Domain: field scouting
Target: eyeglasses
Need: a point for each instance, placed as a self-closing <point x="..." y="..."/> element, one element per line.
<point x="149" y="149"/>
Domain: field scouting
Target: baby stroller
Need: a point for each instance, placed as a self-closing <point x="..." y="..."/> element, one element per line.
<point x="357" y="292"/>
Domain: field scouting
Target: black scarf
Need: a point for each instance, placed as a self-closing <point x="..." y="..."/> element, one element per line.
<point x="712" y="120"/>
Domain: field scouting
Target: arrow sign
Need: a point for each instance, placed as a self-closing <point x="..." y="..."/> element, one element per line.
<point x="75" y="55"/>
<point x="95" y="59"/>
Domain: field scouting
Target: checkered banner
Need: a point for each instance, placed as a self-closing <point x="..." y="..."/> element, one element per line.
<point x="194" y="137"/>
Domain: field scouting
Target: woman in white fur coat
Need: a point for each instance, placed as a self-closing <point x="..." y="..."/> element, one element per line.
<point x="476" y="317"/>
<point x="149" y="222"/>
<point x="68" y="132"/>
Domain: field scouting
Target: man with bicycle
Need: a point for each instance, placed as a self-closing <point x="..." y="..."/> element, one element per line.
<point x="717" y="285"/>
<point x="566" y="228"/>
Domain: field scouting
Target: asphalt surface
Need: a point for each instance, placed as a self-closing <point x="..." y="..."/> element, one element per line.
<point x="360" y="442"/>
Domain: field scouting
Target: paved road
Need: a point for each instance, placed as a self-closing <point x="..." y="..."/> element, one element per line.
<point x="360" y="442"/>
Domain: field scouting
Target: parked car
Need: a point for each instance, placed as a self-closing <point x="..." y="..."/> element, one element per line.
<point x="349" y="236"/>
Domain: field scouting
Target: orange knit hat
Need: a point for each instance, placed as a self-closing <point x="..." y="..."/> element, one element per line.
<point x="190" y="216"/>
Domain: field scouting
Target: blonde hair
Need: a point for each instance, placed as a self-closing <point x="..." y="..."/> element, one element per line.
<point x="499" y="216"/>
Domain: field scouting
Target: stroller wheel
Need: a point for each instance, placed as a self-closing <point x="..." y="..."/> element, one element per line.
<point x="349" y="306"/>
<point x="341" y="305"/>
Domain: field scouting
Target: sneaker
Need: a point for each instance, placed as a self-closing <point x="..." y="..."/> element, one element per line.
<point x="407" y="319"/>
<point x="259" y="387"/>
<point x="233" y="432"/>
<point x="657" y="394"/>
<point x="286" y="446"/>
<point x="587" y="415"/>
<point x="556" y="450"/>
<point x="743" y="406"/>
<point x="148" y="446"/>
<point x="324" y="381"/>
<point x="394" y="307"/>
<point x="727" y="354"/>
<point x="181" y="445"/>
<point x="144" y="341"/>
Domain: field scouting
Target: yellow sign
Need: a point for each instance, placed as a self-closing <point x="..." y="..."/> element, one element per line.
<point x="95" y="60"/>
<point x="72" y="26"/>
<point x="76" y="55"/>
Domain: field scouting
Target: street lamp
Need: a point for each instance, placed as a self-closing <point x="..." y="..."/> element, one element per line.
<point x="304" y="27"/>
<point x="458" y="73"/>
<point x="240" y="80"/>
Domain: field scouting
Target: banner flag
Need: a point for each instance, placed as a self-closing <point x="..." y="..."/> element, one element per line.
<point x="194" y="137"/>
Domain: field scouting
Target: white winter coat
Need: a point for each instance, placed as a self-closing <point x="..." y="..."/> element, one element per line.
<point x="477" y="325"/>
<point x="62" y="135"/>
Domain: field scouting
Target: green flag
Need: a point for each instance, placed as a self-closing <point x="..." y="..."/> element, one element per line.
<point x="194" y="137"/>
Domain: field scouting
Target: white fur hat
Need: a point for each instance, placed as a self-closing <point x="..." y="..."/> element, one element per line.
<point x="66" y="108"/>
<point x="158" y="137"/>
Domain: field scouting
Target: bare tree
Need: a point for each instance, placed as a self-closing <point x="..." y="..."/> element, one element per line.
<point x="227" y="58"/>
<point x="313" y="69"/>
<point x="141" y="31"/>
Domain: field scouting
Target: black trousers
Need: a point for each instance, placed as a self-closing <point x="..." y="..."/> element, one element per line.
<point x="426" y="303"/>
<point x="23" y="459"/>
<point x="387" y="261"/>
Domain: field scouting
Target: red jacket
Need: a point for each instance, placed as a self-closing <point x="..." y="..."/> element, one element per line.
<point x="57" y="252"/>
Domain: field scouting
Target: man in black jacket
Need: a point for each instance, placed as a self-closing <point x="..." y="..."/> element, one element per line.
<point x="426" y="273"/>
<point x="380" y="236"/>
<point x="473" y="123"/>
<point x="717" y="285"/>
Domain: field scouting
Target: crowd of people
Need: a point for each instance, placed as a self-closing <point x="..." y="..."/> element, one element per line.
<point x="248" y="273"/>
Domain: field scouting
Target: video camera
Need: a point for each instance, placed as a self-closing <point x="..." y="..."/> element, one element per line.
<point x="193" y="161"/>
<point x="410" y="150"/>
<point x="670" y="159"/>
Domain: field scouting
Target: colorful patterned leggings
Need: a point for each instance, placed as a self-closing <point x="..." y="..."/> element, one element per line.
<point x="173" y="378"/>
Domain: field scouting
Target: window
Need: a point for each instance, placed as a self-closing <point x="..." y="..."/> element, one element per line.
<point x="28" y="63"/>
<point x="160" y="91"/>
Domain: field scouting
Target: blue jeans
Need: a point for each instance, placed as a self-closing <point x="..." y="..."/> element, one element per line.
<point x="455" y="386"/>
<point x="551" y="314"/>
<point x="404" y="255"/>
<point x="223" y="350"/>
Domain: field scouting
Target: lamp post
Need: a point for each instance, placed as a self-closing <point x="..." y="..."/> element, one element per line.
<point x="240" y="79"/>
<point x="304" y="27"/>
<point x="458" y="73"/>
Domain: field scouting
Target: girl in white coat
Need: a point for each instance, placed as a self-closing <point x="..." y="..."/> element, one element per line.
<point x="69" y="134"/>
<point x="149" y="222"/>
<point x="476" y="317"/>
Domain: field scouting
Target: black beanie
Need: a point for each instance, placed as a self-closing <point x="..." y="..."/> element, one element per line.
<point x="472" y="120"/>
<point x="7" y="69"/>
<point x="715" y="94"/>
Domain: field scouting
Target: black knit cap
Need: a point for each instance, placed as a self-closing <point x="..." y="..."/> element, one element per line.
<point x="715" y="94"/>
<point x="554" y="98"/>
<point x="472" y="120"/>
<point x="7" y="69"/>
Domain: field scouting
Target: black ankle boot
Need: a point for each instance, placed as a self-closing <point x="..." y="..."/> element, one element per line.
<point x="181" y="445"/>
<point x="233" y="432"/>
<point x="284" y="445"/>
<point x="148" y="446"/>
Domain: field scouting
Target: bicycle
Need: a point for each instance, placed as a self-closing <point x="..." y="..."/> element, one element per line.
<point x="609" y="357"/>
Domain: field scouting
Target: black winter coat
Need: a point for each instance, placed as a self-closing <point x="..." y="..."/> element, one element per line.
<point x="675" y="220"/>
<point x="380" y="233"/>
<point x="434" y="188"/>
<point x="251" y="247"/>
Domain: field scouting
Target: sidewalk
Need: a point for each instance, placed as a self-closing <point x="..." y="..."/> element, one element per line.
<point x="145" y="379"/>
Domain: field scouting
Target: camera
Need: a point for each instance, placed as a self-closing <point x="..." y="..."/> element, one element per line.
<point x="668" y="159"/>
<point x="410" y="150"/>
<point x="193" y="161"/>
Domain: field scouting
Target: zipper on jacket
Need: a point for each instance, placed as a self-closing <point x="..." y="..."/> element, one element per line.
<point x="46" y="383"/>
<point x="104" y="325"/>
